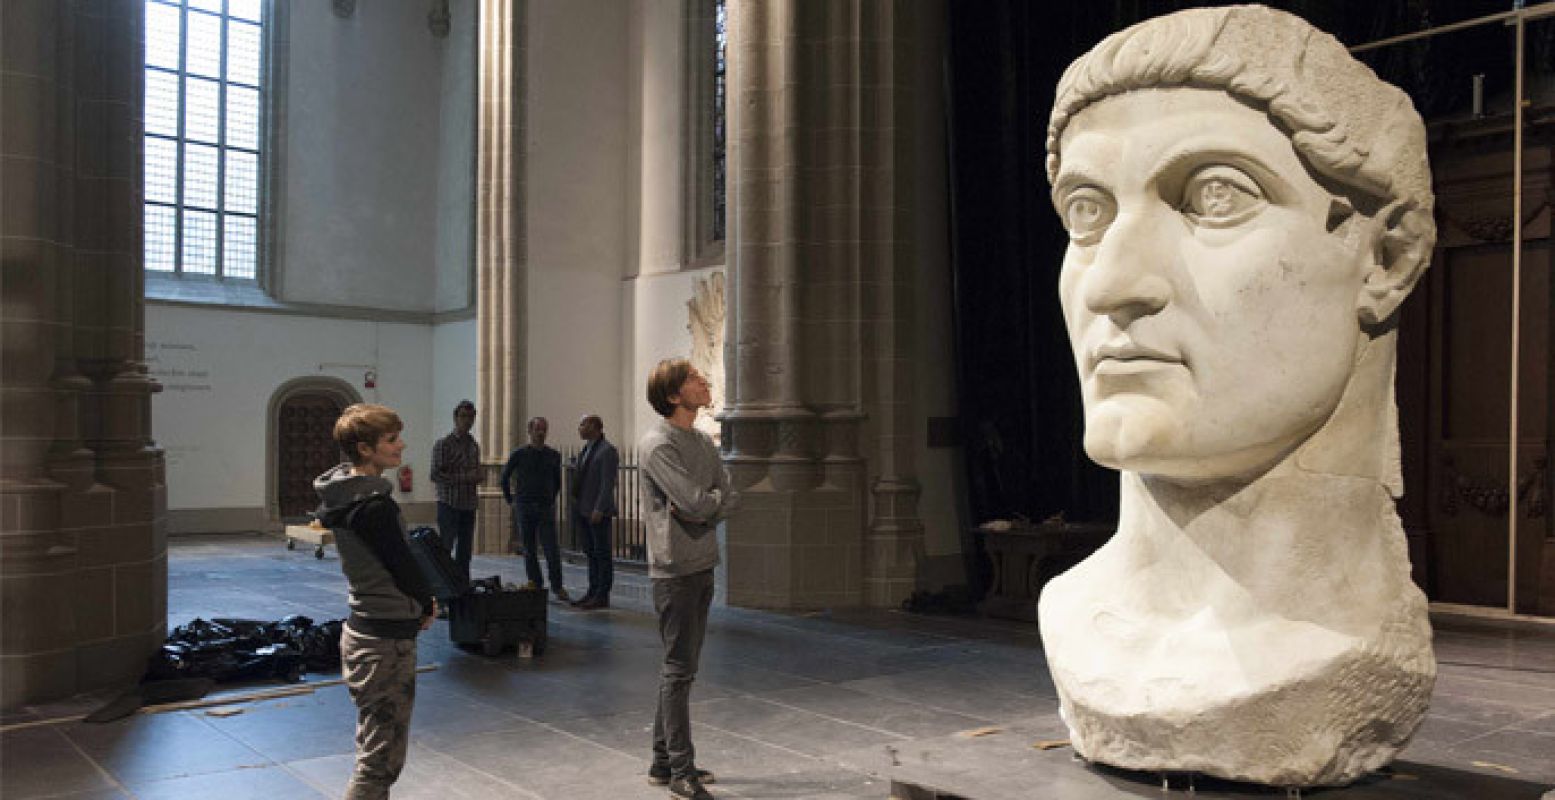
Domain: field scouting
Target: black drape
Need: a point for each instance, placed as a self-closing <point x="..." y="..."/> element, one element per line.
<point x="1020" y="410"/>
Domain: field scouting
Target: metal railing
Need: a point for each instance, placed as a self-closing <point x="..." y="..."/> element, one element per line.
<point x="628" y="537"/>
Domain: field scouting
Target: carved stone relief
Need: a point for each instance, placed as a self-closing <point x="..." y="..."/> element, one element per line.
<point x="705" y="312"/>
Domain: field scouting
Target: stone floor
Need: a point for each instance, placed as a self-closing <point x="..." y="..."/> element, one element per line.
<point x="815" y="706"/>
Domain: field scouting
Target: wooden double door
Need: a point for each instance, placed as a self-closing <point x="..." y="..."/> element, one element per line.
<point x="1454" y="387"/>
<point x="305" y="448"/>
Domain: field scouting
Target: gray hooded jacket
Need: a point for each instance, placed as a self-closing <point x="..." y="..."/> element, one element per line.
<point x="389" y="596"/>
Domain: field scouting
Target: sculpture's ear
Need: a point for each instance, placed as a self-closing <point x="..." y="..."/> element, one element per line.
<point x="1401" y="245"/>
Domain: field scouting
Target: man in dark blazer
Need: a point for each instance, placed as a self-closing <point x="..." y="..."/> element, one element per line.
<point x="593" y="506"/>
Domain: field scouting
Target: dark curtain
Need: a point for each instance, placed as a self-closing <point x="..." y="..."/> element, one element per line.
<point x="1020" y="409"/>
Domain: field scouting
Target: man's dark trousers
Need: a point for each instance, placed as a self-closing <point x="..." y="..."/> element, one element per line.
<point x="538" y="521"/>
<point x="595" y="540"/>
<point x="682" y="604"/>
<point x="457" y="527"/>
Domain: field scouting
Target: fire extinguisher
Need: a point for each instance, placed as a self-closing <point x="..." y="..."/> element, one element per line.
<point x="406" y="479"/>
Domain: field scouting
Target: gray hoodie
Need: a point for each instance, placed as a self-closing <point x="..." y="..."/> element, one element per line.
<point x="389" y="596"/>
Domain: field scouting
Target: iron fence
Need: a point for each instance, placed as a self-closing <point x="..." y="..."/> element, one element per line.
<point x="628" y="538"/>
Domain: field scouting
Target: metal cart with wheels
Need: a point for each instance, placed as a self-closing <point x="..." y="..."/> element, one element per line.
<point x="307" y="534"/>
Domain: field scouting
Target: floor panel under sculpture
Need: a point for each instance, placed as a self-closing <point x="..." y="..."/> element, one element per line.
<point x="787" y="706"/>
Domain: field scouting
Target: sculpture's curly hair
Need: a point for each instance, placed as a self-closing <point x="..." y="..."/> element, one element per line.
<point x="1346" y="123"/>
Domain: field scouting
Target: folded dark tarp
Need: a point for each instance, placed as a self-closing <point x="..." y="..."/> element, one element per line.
<point x="244" y="649"/>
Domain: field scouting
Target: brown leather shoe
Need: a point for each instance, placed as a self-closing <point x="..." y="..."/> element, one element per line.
<point x="594" y="602"/>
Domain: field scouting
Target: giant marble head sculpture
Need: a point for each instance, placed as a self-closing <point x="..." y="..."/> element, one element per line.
<point x="1247" y="207"/>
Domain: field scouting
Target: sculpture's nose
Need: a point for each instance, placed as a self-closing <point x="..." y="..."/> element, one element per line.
<point x="1127" y="279"/>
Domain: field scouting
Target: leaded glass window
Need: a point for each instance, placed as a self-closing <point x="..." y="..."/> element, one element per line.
<point x="204" y="94"/>
<point x="720" y="119"/>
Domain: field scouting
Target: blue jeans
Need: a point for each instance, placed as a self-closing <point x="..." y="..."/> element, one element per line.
<point x="595" y="540"/>
<point x="457" y="527"/>
<point x="537" y="521"/>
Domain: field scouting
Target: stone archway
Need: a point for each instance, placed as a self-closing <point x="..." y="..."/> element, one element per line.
<point x="298" y="442"/>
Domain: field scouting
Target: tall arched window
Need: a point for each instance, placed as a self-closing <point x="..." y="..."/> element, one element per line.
<point x="706" y="128"/>
<point x="204" y="72"/>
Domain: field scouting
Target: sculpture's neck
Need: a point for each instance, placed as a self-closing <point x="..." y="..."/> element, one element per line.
<point x="1289" y="544"/>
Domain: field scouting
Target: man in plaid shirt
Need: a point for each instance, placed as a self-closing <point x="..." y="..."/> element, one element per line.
<point x="456" y="470"/>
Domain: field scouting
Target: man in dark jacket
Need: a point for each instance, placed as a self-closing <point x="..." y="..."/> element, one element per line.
<point x="531" y="480"/>
<point x="391" y="602"/>
<point x="593" y="506"/>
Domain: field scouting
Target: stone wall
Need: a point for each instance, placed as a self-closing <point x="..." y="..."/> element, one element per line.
<point x="83" y="557"/>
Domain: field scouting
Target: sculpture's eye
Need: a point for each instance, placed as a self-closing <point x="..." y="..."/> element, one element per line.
<point x="1220" y="196"/>
<point x="1087" y="213"/>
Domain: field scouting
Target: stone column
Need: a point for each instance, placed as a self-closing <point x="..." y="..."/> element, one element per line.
<point x="893" y="544"/>
<point x="83" y="556"/>
<point x="500" y="250"/>
<point x="820" y="392"/>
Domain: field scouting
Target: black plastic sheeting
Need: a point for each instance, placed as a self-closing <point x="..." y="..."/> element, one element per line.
<point x="245" y="649"/>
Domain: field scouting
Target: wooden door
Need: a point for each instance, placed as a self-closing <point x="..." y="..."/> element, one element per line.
<point x="305" y="448"/>
<point x="1468" y="492"/>
<point x="1454" y="383"/>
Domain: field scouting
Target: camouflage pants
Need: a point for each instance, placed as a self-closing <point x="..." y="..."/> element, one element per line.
<point x="381" y="674"/>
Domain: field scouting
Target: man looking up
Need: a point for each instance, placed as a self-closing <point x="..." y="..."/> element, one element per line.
<point x="530" y="482"/>
<point x="685" y="493"/>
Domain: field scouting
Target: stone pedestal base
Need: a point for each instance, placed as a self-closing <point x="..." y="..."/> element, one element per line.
<point x="795" y="548"/>
<point x="1347" y="717"/>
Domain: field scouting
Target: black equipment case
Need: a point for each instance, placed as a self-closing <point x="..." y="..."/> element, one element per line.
<point x="480" y="612"/>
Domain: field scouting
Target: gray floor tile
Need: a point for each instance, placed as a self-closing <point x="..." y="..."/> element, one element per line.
<point x="41" y="761"/>
<point x="429" y="775"/>
<point x="787" y="727"/>
<point x="1532" y="755"/>
<point x="286" y="729"/>
<point x="148" y="747"/>
<point x="261" y="783"/>
<point x="907" y="719"/>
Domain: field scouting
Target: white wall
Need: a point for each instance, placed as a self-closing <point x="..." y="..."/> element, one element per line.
<point x="364" y="178"/>
<point x="659" y="330"/>
<point x="658" y="151"/>
<point x="453" y="375"/>
<point x="455" y="250"/>
<point x="576" y="206"/>
<point x="220" y="367"/>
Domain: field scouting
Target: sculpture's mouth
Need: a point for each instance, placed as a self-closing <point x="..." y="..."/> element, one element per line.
<point x="1127" y="358"/>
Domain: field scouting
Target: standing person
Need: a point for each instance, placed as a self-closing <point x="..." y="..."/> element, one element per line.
<point x="537" y="472"/>
<point x="390" y="600"/>
<point x="456" y="471"/>
<point x="593" y="506"/>
<point x="685" y="493"/>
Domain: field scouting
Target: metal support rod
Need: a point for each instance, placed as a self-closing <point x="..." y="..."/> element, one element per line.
<point x="1517" y="296"/>
<point x="1539" y="11"/>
